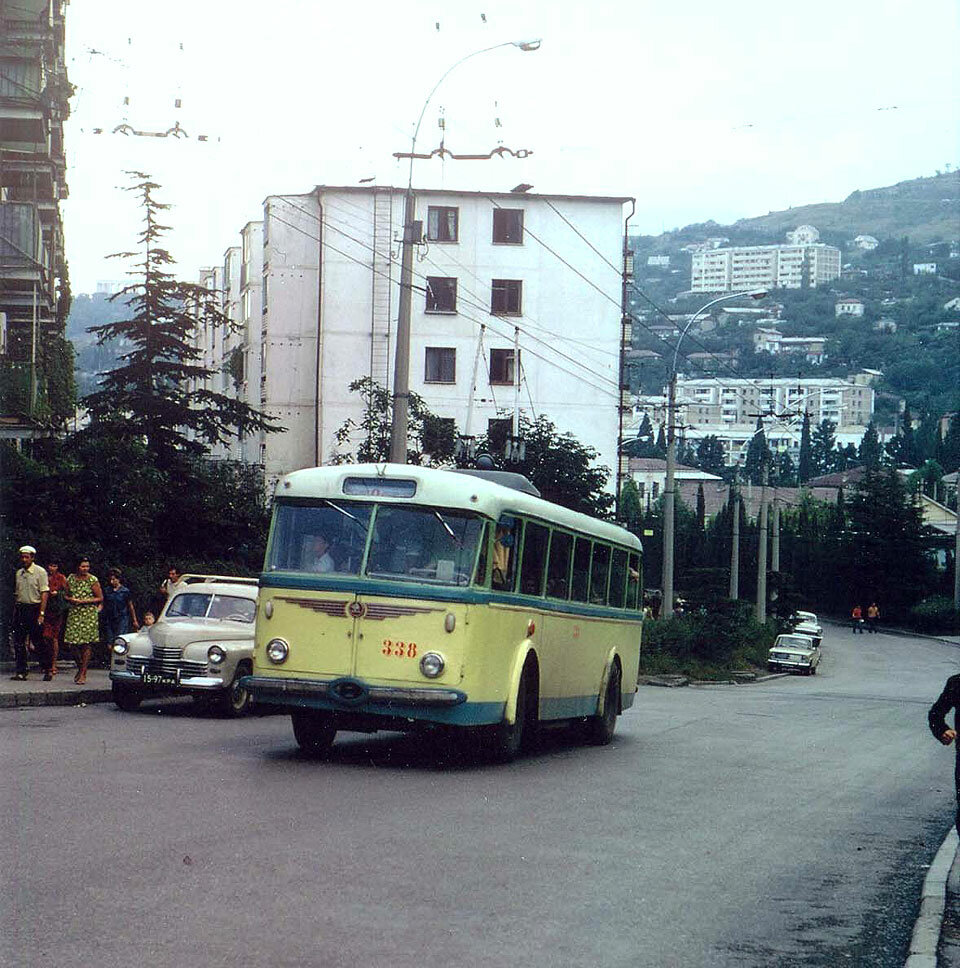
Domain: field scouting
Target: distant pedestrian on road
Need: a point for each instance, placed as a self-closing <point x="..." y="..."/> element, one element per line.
<point x="30" y="604"/>
<point x="83" y="629"/>
<point x="856" y="619"/>
<point x="56" y="615"/>
<point x="873" y="615"/>
<point x="936" y="717"/>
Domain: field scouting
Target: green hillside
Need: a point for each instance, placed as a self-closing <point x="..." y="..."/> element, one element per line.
<point x="925" y="209"/>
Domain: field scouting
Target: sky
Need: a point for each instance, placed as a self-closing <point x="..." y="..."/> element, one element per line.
<point x="700" y="110"/>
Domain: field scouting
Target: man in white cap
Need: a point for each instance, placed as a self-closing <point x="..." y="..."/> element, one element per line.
<point x="29" y="608"/>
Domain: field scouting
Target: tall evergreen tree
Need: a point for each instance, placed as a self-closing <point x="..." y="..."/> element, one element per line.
<point x="822" y="444"/>
<point x="155" y="394"/>
<point x="950" y="450"/>
<point x="710" y="455"/>
<point x="758" y="453"/>
<point x="870" y="447"/>
<point x="661" y="446"/>
<point x="805" y="467"/>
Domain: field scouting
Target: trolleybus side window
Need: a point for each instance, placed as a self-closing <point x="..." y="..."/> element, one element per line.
<point x="505" y="544"/>
<point x="558" y="569"/>
<point x="599" y="570"/>
<point x="634" y="575"/>
<point x="618" y="578"/>
<point x="581" y="570"/>
<point x="535" y="541"/>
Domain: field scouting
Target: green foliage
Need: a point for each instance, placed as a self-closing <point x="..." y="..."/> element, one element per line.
<point x="631" y="507"/>
<point x="758" y="454"/>
<point x="710" y="645"/>
<point x="710" y="455"/>
<point x="870" y="450"/>
<point x="936" y="614"/>
<point x="562" y="468"/>
<point x="805" y="468"/>
<point x="155" y="393"/>
<point x="430" y="439"/>
<point x="822" y="444"/>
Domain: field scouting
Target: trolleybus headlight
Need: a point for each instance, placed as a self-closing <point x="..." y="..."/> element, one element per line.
<point x="215" y="654"/>
<point x="277" y="651"/>
<point x="120" y="647"/>
<point x="431" y="665"/>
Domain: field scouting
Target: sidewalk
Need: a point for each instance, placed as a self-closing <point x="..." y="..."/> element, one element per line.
<point x="948" y="952"/>
<point x="61" y="691"/>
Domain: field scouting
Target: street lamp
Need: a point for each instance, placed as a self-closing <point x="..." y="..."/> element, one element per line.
<point x="666" y="605"/>
<point x="411" y="231"/>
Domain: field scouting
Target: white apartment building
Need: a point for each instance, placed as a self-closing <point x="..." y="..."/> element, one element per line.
<point x="849" y="306"/>
<point x="728" y="409"/>
<point x="487" y="276"/>
<point x="764" y="267"/>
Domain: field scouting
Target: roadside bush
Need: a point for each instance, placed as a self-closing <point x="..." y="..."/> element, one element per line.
<point x="708" y="644"/>
<point x="935" y="615"/>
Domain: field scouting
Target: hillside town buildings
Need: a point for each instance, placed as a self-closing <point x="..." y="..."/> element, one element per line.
<point x="801" y="263"/>
<point x="500" y="324"/>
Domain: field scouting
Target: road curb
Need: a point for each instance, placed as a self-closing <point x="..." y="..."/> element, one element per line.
<point x="926" y="930"/>
<point x="73" y="697"/>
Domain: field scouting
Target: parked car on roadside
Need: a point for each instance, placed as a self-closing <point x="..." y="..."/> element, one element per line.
<point x="807" y="623"/>
<point x="794" y="652"/>
<point x="201" y="644"/>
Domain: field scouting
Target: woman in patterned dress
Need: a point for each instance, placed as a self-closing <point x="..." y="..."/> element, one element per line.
<point x="83" y="628"/>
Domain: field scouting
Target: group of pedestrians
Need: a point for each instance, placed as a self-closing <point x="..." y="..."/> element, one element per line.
<point x="53" y="611"/>
<point x="873" y="618"/>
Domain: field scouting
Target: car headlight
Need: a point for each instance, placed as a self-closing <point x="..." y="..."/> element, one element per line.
<point x="215" y="654"/>
<point x="120" y="647"/>
<point x="431" y="665"/>
<point x="277" y="651"/>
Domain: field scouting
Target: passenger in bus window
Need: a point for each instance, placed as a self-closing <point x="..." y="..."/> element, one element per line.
<point x="502" y="548"/>
<point x="320" y="560"/>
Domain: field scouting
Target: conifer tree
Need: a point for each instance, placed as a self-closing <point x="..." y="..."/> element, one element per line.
<point x="870" y="447"/>
<point x="156" y="394"/>
<point x="758" y="453"/>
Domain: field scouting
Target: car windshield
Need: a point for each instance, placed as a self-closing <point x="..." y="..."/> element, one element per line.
<point x="793" y="642"/>
<point x="204" y="605"/>
<point x="424" y="544"/>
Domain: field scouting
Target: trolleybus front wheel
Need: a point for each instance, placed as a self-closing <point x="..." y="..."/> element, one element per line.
<point x="314" y="730"/>
<point x="506" y="740"/>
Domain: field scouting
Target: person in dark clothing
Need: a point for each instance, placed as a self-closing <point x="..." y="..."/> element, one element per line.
<point x="936" y="717"/>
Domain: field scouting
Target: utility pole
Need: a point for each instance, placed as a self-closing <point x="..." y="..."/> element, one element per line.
<point x="956" y="562"/>
<point x="735" y="545"/>
<point x="775" y="542"/>
<point x="412" y="234"/>
<point x="666" y="605"/>
<point x="761" y="609"/>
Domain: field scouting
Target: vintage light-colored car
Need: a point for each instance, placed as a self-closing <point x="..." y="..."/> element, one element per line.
<point x="807" y="623"/>
<point x="202" y="644"/>
<point x="793" y="651"/>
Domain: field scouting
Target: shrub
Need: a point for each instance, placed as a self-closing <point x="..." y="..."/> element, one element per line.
<point x="935" y="615"/>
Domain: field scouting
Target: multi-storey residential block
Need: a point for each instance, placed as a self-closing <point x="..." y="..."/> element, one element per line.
<point x="34" y="295"/>
<point x="849" y="306"/>
<point x="805" y="264"/>
<point x="728" y="408"/>
<point x="494" y="272"/>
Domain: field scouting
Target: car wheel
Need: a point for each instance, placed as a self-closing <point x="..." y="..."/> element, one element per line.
<point x="126" y="698"/>
<point x="314" y="730"/>
<point x="237" y="700"/>
<point x="506" y="740"/>
<point x="600" y="728"/>
<point x="813" y="670"/>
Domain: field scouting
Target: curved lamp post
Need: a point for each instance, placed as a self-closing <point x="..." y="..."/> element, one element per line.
<point x="401" y="367"/>
<point x="666" y="603"/>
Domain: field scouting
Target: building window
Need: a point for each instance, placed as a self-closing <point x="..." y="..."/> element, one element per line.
<point x="501" y="367"/>
<point x="506" y="297"/>
<point x="443" y="224"/>
<point x="440" y="365"/>
<point x="508" y="226"/>
<point x="441" y="294"/>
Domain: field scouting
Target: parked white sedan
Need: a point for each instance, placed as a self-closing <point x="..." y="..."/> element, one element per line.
<point x="794" y="652"/>
<point x="807" y="623"/>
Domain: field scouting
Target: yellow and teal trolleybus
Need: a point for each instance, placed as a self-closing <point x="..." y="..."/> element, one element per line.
<point x="394" y="596"/>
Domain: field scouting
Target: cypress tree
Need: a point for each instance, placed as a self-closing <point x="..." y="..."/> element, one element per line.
<point x="805" y="466"/>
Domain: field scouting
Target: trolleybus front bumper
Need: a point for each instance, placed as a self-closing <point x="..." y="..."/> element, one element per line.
<point x="349" y="693"/>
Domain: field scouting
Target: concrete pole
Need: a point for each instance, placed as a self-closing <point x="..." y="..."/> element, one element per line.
<point x="956" y="562"/>
<point x="735" y="546"/>
<point x="401" y="361"/>
<point x="761" y="609"/>
<point x="666" y="606"/>
<point x="775" y="542"/>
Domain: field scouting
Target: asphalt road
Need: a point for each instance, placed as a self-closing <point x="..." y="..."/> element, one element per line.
<point x="783" y="823"/>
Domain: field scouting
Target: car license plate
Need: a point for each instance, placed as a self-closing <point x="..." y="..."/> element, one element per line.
<point x="160" y="679"/>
